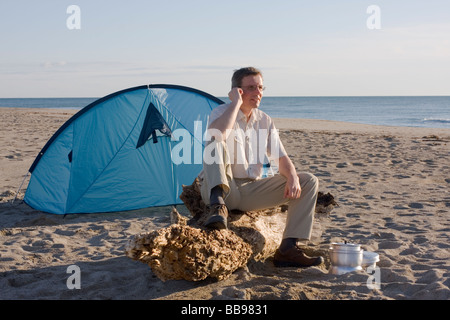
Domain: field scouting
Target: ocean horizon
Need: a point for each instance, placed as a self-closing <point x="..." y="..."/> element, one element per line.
<point x="405" y="111"/>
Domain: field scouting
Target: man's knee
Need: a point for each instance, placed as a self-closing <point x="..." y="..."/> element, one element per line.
<point x="308" y="180"/>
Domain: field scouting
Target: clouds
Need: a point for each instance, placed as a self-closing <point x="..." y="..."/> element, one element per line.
<point x="49" y="64"/>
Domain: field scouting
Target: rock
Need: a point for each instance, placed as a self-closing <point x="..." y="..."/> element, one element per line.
<point x="325" y="203"/>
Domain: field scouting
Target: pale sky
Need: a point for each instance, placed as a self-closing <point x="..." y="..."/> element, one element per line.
<point x="304" y="48"/>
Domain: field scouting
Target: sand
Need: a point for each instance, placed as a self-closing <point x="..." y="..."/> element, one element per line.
<point x="392" y="185"/>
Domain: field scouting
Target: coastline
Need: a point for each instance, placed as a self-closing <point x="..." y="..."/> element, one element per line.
<point x="391" y="184"/>
<point x="339" y="126"/>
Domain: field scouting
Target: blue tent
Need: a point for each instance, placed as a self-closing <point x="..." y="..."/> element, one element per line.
<point x="118" y="152"/>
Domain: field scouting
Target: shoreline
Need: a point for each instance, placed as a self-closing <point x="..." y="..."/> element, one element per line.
<point x="294" y="123"/>
<point x="341" y="126"/>
<point x="391" y="184"/>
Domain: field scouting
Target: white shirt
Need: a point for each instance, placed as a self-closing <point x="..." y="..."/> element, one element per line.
<point x="251" y="143"/>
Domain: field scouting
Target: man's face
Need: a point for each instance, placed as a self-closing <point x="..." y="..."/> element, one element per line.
<point x="253" y="92"/>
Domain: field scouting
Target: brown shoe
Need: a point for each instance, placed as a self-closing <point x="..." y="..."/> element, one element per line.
<point x="218" y="217"/>
<point x="295" y="257"/>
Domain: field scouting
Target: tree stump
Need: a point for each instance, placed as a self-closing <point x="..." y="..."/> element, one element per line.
<point x="186" y="250"/>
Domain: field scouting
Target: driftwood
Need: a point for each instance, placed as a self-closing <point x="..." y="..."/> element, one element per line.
<point x="186" y="250"/>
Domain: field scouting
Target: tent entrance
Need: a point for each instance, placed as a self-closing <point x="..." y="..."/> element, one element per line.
<point x="153" y="121"/>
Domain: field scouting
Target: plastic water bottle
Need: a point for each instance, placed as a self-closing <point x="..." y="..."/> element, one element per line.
<point x="267" y="170"/>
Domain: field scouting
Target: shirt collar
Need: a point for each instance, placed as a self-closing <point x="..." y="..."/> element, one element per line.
<point x="256" y="115"/>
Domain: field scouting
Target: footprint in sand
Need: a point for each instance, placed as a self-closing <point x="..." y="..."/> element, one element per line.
<point x="390" y="244"/>
<point x="230" y="293"/>
<point x="420" y="239"/>
<point x="13" y="156"/>
<point x="415" y="205"/>
<point x="344" y="165"/>
<point x="410" y="251"/>
<point x="401" y="176"/>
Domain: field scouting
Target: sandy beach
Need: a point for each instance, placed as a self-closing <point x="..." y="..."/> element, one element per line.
<point x="392" y="185"/>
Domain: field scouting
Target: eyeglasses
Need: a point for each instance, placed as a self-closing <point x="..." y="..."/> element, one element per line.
<point x="253" y="88"/>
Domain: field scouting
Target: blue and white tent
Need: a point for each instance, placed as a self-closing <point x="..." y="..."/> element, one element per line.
<point x="117" y="153"/>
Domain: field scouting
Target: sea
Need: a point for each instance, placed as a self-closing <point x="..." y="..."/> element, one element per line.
<point x="407" y="111"/>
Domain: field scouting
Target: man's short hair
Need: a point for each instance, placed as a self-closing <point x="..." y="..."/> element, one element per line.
<point x="238" y="75"/>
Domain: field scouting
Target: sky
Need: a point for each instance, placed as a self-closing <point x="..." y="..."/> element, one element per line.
<point x="303" y="47"/>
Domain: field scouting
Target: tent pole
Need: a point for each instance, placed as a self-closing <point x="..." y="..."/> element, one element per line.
<point x="20" y="188"/>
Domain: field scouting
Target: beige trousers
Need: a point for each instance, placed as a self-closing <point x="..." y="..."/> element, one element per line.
<point x="248" y="194"/>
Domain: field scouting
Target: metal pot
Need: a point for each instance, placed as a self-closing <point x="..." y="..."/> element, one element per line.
<point x="345" y="257"/>
<point x="342" y="270"/>
<point x="348" y="257"/>
<point x="353" y="247"/>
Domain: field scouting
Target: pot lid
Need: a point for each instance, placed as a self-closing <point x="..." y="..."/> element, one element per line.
<point x="345" y="246"/>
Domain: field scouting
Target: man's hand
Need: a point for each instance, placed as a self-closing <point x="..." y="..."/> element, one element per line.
<point x="235" y="95"/>
<point x="220" y="128"/>
<point x="292" y="190"/>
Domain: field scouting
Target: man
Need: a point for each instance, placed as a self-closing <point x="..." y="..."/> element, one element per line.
<point x="232" y="169"/>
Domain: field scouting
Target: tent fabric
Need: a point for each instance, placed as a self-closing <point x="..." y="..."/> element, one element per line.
<point x="116" y="153"/>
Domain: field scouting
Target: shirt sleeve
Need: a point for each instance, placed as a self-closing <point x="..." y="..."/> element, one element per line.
<point x="216" y="113"/>
<point x="275" y="148"/>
